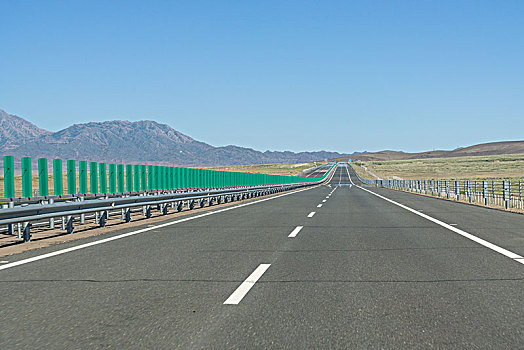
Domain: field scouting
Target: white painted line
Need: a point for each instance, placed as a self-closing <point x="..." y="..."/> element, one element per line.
<point x="4" y="262"/>
<point x="465" y="234"/>
<point x="324" y="201"/>
<point x="311" y="214"/>
<point x="319" y="206"/>
<point x="295" y="232"/>
<point x="242" y="290"/>
<point x="124" y="235"/>
<point x="476" y="239"/>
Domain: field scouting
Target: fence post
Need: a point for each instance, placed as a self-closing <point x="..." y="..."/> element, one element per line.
<point x="505" y="193"/>
<point x="27" y="177"/>
<point x="486" y="194"/>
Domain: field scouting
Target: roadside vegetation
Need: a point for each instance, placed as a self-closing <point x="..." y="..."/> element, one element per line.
<point x="476" y="167"/>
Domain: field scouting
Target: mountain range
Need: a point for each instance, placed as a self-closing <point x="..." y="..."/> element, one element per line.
<point x="132" y="142"/>
<point x="482" y="149"/>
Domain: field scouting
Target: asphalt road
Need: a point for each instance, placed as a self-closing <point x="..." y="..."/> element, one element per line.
<point x="362" y="272"/>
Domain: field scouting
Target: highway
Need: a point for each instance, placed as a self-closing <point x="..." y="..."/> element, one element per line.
<point x="333" y="266"/>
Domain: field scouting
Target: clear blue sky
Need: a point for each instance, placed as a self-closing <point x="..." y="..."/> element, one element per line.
<point x="282" y="75"/>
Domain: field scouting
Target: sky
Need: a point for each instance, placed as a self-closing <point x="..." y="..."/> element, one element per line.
<point x="280" y="75"/>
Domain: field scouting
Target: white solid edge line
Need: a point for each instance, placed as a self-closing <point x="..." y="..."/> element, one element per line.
<point x="319" y="206"/>
<point x="295" y="232"/>
<point x="476" y="239"/>
<point x="244" y="288"/>
<point x="105" y="240"/>
<point x="311" y="214"/>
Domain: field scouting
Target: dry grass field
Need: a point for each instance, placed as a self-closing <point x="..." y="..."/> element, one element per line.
<point x="476" y="167"/>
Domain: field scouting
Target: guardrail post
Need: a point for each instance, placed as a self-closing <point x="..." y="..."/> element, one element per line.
<point x="103" y="218"/>
<point x="470" y="195"/>
<point x="82" y="177"/>
<point x="43" y="177"/>
<point x="27" y="232"/>
<point x="69" y="225"/>
<point x="457" y="190"/>
<point x="27" y="177"/>
<point x="71" y="177"/>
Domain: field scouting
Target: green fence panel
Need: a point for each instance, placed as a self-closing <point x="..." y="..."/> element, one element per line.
<point x="93" y="177"/>
<point x="102" y="175"/>
<point x="136" y="176"/>
<point x="156" y="177"/>
<point x="82" y="177"/>
<point x="9" y="177"/>
<point x="27" y="177"/>
<point x="43" y="177"/>
<point x="120" y="178"/>
<point x="71" y="177"/>
<point x="149" y="177"/>
<point x="58" y="181"/>
<point x="143" y="178"/>
<point x="162" y="177"/>
<point x="183" y="174"/>
<point x="112" y="178"/>
<point x="129" y="178"/>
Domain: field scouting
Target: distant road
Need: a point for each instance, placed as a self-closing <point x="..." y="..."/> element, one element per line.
<point x="337" y="266"/>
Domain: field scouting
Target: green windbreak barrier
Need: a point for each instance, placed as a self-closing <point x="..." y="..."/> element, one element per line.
<point x="82" y="177"/>
<point x="27" y="177"/>
<point x="129" y="178"/>
<point x="102" y="172"/>
<point x="112" y="178"/>
<point x="71" y="177"/>
<point x="93" y="177"/>
<point x="101" y="178"/>
<point x="58" y="180"/>
<point x="43" y="177"/>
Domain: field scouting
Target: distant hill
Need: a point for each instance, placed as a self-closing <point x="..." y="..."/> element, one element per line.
<point x="132" y="142"/>
<point x="483" y="149"/>
<point x="14" y="130"/>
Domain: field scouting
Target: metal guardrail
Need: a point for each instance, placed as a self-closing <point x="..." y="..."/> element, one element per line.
<point x="24" y="216"/>
<point x="502" y="193"/>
